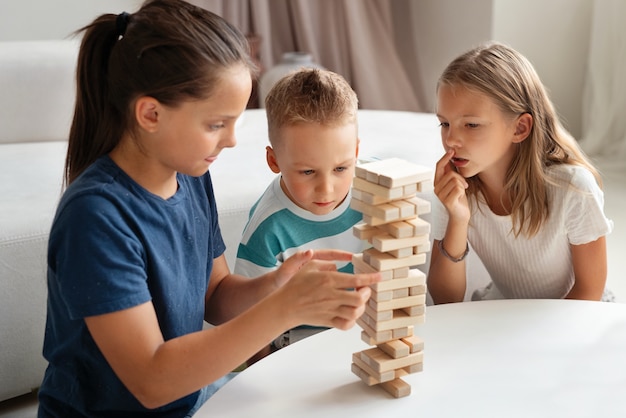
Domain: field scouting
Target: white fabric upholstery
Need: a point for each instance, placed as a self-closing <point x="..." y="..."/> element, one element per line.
<point x="36" y="104"/>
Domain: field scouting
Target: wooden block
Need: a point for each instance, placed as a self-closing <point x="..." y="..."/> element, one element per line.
<point x="416" y="310"/>
<point x="383" y="261"/>
<point x="364" y="231"/>
<point x="420" y="226"/>
<point x="398" y="388"/>
<point x="394" y="172"/>
<point x="385" y="211"/>
<point x="368" y="339"/>
<point x="386" y="242"/>
<point x="372" y="220"/>
<point x="377" y="377"/>
<point x="401" y="293"/>
<point x="420" y="289"/>
<point x="401" y="252"/>
<point x="381" y="361"/>
<point x="400" y="319"/>
<point x="397" y="303"/>
<point x="378" y="315"/>
<point x="413" y="368"/>
<point x="425" y="186"/>
<point x="410" y="189"/>
<point x="364" y="185"/>
<point x="401" y="272"/>
<point x="361" y="266"/>
<point x="381" y="336"/>
<point x="423" y="248"/>
<point x="422" y="206"/>
<point x="373" y="199"/>
<point x="414" y="343"/>
<point x="402" y="229"/>
<point x="402" y="332"/>
<point x="395" y="348"/>
<point x="381" y="296"/>
<point x="416" y="277"/>
<point x="405" y="207"/>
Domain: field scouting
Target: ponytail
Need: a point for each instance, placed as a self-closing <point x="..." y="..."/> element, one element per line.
<point x="170" y="50"/>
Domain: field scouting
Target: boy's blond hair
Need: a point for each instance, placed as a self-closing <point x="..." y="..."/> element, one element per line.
<point x="310" y="96"/>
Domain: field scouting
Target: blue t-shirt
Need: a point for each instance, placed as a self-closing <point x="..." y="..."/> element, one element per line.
<point x="113" y="245"/>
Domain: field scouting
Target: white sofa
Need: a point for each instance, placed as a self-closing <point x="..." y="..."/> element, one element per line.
<point x="36" y="105"/>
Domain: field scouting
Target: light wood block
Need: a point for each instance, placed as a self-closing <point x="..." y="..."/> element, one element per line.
<point x="416" y="277"/>
<point x="382" y="295"/>
<point x="364" y="231"/>
<point x="378" y="315"/>
<point x="372" y="220"/>
<point x="414" y="343"/>
<point x="417" y="290"/>
<point x="385" y="211"/>
<point x="382" y="336"/>
<point x="422" y="206"/>
<point x="383" y="261"/>
<point x="394" y="172"/>
<point x="361" y="266"/>
<point x="400" y="319"/>
<point x="364" y="185"/>
<point x="395" y="348"/>
<point x="401" y="293"/>
<point x="385" y="242"/>
<point x="416" y="310"/>
<point x="401" y="332"/>
<point x="402" y="252"/>
<point x="373" y="199"/>
<point x="397" y="303"/>
<point x="377" y="377"/>
<point x="381" y="361"/>
<point x="397" y="388"/>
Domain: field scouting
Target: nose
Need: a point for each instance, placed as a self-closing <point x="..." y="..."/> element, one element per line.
<point x="324" y="185"/>
<point x="450" y="138"/>
<point x="229" y="140"/>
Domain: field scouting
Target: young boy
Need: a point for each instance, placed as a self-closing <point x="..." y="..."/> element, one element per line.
<point x="312" y="122"/>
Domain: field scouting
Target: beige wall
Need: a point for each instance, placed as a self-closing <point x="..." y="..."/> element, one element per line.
<point x="553" y="34"/>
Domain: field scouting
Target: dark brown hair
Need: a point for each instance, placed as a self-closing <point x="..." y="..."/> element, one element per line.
<point x="169" y="50"/>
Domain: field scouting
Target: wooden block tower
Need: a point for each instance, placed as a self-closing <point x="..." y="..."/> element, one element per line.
<point x="385" y="192"/>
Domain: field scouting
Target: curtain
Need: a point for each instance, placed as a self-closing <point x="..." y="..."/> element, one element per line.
<point x="604" y="94"/>
<point x="355" y="38"/>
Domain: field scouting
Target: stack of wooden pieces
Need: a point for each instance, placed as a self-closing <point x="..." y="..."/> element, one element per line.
<point x="385" y="192"/>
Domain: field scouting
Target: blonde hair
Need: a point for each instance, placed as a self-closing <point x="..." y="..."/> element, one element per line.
<point x="310" y="96"/>
<point x="510" y="80"/>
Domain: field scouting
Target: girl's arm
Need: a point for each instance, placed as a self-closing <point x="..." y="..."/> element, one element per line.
<point x="446" y="278"/>
<point x="590" y="270"/>
<point x="157" y="372"/>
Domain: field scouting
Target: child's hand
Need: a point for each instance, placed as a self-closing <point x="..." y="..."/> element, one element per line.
<point x="294" y="263"/>
<point x="321" y="296"/>
<point x="450" y="189"/>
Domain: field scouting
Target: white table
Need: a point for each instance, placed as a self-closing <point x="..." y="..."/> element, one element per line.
<point x="515" y="358"/>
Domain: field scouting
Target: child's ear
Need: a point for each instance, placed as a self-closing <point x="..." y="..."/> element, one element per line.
<point x="358" y="141"/>
<point x="524" y="125"/>
<point x="270" y="156"/>
<point x="147" y="113"/>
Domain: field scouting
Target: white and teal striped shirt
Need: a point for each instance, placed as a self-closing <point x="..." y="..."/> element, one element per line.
<point x="277" y="228"/>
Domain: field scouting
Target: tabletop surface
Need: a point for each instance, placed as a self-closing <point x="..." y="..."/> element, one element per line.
<point x="513" y="358"/>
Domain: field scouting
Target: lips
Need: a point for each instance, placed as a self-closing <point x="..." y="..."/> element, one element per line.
<point x="459" y="162"/>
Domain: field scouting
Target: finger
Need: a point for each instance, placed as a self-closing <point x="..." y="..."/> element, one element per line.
<point x="443" y="165"/>
<point x="332" y="255"/>
<point x="356" y="281"/>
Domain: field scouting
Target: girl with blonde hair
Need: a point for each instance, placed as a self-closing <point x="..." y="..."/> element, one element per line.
<point x="515" y="186"/>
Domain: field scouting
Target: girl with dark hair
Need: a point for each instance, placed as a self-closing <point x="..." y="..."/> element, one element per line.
<point x="135" y="256"/>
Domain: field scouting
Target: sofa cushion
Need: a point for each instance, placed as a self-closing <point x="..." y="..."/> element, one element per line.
<point x="32" y="110"/>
